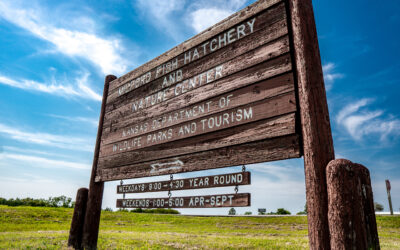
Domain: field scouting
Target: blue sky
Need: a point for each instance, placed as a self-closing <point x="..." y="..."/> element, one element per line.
<point x="55" y="54"/>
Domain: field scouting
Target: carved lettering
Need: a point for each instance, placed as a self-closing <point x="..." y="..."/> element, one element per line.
<point x="238" y="32"/>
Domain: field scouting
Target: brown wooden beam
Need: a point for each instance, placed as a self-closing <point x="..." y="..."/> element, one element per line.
<point x="92" y="217"/>
<point x="75" y="233"/>
<point x="352" y="222"/>
<point x="314" y="115"/>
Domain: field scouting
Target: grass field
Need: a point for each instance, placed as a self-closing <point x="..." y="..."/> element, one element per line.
<point x="47" y="228"/>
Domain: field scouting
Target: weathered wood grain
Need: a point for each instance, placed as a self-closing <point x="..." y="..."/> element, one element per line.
<point x="268" y="26"/>
<point x="352" y="222"/>
<point x="129" y="151"/>
<point x="261" y="151"/>
<point x="95" y="195"/>
<point x="254" y="72"/>
<point x="257" y="73"/>
<point x="154" y="97"/>
<point x="222" y="180"/>
<point x="314" y="115"/>
<point x="234" y="19"/>
<point x="205" y="201"/>
<point x="241" y="134"/>
<point x="78" y="219"/>
<point x="133" y="127"/>
<point x="252" y="112"/>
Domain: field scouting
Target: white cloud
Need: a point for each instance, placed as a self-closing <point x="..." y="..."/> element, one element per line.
<point x="29" y="151"/>
<point x="35" y="161"/>
<point x="204" y="18"/>
<point x="22" y="187"/>
<point x="359" y="121"/>
<point x="162" y="14"/>
<point x="59" y="141"/>
<point x="80" y="89"/>
<point x="330" y="75"/>
<point x="198" y="15"/>
<point x="93" y="122"/>
<point x="207" y="13"/>
<point x="105" y="53"/>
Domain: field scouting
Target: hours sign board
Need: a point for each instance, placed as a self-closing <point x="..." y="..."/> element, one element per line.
<point x="224" y="97"/>
<point x="206" y="201"/>
<point x="222" y="180"/>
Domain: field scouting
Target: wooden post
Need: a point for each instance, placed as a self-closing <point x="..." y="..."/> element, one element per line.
<point x="75" y="233"/>
<point x="352" y="221"/>
<point x="92" y="217"/>
<point x="314" y="116"/>
<point x="388" y="187"/>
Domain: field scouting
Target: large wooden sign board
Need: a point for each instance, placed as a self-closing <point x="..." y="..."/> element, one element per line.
<point x="248" y="89"/>
<point x="225" y="97"/>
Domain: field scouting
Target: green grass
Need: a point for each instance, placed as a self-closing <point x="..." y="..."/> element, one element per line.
<point x="47" y="228"/>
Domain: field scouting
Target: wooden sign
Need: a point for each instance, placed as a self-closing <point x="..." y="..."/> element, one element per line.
<point x="225" y="97"/>
<point x="223" y="180"/>
<point x="206" y="201"/>
<point x="248" y="89"/>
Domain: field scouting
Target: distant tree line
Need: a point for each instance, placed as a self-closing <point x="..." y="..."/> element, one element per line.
<point x="59" y="201"/>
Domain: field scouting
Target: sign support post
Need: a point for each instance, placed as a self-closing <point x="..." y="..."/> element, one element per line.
<point x="95" y="197"/>
<point x="314" y="115"/>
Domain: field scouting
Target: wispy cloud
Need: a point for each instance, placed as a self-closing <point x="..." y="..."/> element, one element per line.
<point x="360" y="121"/>
<point x="80" y="88"/>
<point x="106" y="53"/>
<point x="330" y="75"/>
<point x="204" y="18"/>
<point x="93" y="122"/>
<point x="29" y="151"/>
<point x="197" y="15"/>
<point x="161" y="14"/>
<point x="208" y="13"/>
<point x="36" y="161"/>
<point x="59" y="141"/>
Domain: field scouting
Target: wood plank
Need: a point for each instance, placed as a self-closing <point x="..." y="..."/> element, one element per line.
<point x="268" y="26"/>
<point x="259" y="110"/>
<point x="257" y="73"/>
<point x="234" y="19"/>
<point x="156" y="96"/>
<point x="254" y="152"/>
<point x="204" y="201"/>
<point x="222" y="180"/>
<point x="260" y="72"/>
<point x="314" y="115"/>
<point x="263" y="129"/>
<point x="193" y="130"/>
<point x="95" y="195"/>
<point x="253" y="93"/>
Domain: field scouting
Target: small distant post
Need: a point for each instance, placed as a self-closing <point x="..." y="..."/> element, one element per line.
<point x="388" y="187"/>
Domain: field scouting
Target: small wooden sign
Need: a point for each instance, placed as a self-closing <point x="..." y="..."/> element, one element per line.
<point x="205" y="201"/>
<point x="222" y="180"/>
